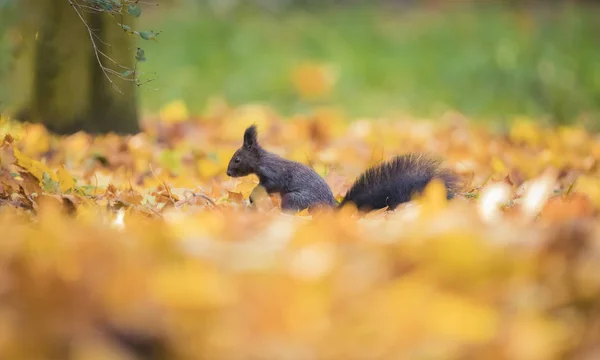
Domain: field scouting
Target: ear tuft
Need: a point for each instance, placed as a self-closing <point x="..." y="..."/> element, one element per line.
<point x="250" y="136"/>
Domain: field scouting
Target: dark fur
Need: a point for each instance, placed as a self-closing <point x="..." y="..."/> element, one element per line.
<point x="300" y="186"/>
<point x="396" y="181"/>
<point x="387" y="184"/>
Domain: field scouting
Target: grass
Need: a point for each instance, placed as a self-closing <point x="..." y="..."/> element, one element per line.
<point x="489" y="63"/>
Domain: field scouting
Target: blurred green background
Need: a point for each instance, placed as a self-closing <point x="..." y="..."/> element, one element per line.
<point x="491" y="60"/>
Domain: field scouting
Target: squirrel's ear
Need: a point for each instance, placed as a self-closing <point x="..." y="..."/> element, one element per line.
<point x="250" y="137"/>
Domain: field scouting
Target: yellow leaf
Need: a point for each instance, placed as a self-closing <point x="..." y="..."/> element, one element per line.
<point x="320" y="169"/>
<point x="22" y="160"/>
<point x="478" y="322"/>
<point x="76" y="146"/>
<point x="304" y="212"/>
<point x="524" y="130"/>
<point x="573" y="137"/>
<point x="237" y="121"/>
<point x="208" y="168"/>
<point x="307" y="309"/>
<point x="174" y="112"/>
<point x="498" y="166"/>
<point x="534" y="337"/>
<point x="245" y="187"/>
<point x="377" y="155"/>
<point x="36" y="140"/>
<point x="314" y="80"/>
<point x="301" y="154"/>
<point x="590" y="186"/>
<point x="191" y="286"/>
<point x="65" y="180"/>
<point x="434" y="198"/>
<point x="36" y="168"/>
<point x="260" y="199"/>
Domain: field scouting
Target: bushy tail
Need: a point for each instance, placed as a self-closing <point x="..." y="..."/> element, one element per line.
<point x="395" y="181"/>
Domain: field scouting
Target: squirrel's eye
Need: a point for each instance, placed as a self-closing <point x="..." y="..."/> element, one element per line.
<point x="237" y="159"/>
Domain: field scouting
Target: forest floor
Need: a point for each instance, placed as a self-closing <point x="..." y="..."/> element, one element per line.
<point x="116" y="245"/>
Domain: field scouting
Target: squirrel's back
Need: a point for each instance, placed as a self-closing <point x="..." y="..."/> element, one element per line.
<point x="395" y="181"/>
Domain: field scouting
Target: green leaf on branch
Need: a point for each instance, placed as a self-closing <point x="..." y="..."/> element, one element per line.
<point x="148" y="35"/>
<point x="140" y="55"/>
<point x="127" y="73"/>
<point x="126" y="28"/>
<point x="134" y="10"/>
<point x="105" y="4"/>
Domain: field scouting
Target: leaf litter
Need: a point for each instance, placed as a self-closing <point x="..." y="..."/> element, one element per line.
<point x="123" y="247"/>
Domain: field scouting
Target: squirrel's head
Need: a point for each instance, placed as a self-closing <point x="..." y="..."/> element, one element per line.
<point x="246" y="159"/>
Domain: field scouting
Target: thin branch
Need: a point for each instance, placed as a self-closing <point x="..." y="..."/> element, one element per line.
<point x="91" y="33"/>
<point x="129" y="74"/>
<point x="112" y="60"/>
<point x="102" y="41"/>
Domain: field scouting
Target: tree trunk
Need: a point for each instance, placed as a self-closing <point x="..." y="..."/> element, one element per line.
<point x="58" y="79"/>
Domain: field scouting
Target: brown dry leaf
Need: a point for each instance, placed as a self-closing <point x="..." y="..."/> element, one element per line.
<point x="568" y="208"/>
<point x="30" y="183"/>
<point x="235" y="196"/>
<point x="7" y="156"/>
<point x="9" y="182"/>
<point x="111" y="191"/>
<point x="130" y="196"/>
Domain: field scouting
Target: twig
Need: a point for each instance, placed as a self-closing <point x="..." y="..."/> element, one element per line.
<point x="163" y="184"/>
<point x="91" y="33"/>
<point x="96" y="187"/>
<point x="99" y="54"/>
<point x="193" y="196"/>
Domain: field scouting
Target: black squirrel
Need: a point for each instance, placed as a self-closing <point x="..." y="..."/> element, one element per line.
<point x="388" y="184"/>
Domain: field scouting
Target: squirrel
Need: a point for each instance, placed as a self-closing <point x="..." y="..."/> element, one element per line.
<point x="387" y="184"/>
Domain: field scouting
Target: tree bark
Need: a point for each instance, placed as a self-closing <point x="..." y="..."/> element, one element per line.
<point x="58" y="80"/>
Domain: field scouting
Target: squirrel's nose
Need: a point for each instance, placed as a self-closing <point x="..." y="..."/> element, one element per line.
<point x="228" y="172"/>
